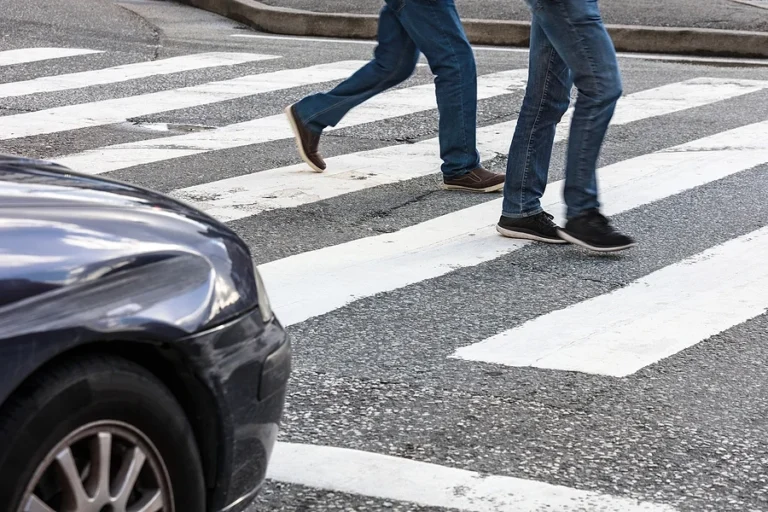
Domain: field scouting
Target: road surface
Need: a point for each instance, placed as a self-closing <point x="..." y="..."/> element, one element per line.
<point x="439" y="366"/>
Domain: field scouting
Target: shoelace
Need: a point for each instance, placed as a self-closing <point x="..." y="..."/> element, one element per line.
<point x="545" y="220"/>
<point x="601" y="223"/>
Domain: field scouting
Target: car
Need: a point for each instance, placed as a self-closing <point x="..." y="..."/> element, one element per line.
<point x="142" y="368"/>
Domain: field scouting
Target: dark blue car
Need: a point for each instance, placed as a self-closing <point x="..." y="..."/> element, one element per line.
<point x="141" y="367"/>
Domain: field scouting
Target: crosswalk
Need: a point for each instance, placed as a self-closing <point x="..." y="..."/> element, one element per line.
<point x="615" y="334"/>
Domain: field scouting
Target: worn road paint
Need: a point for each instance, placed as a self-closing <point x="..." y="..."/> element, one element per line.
<point x="316" y="282"/>
<point x="242" y="196"/>
<point x="26" y="55"/>
<point x="127" y="72"/>
<point x="99" y="113"/>
<point x="387" y="105"/>
<point x="393" y="478"/>
<point x="618" y="333"/>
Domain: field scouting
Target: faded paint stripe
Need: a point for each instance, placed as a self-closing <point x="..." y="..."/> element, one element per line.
<point x="127" y="72"/>
<point x="387" y="105"/>
<point x="619" y="333"/>
<point x="242" y="196"/>
<point x="99" y="113"/>
<point x="26" y="55"/>
<point x="393" y="478"/>
<point x="317" y="282"/>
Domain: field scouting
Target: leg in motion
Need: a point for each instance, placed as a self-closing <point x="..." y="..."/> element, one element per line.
<point x="395" y="59"/>
<point x="547" y="97"/>
<point x="438" y="33"/>
<point x="576" y="30"/>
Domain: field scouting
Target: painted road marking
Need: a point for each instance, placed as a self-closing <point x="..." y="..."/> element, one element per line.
<point x="618" y="333"/>
<point x="393" y="478"/>
<point x="387" y="105"/>
<point x="242" y="196"/>
<point x="316" y="282"/>
<point x="99" y="113"/>
<point x="26" y="55"/>
<point x="127" y="72"/>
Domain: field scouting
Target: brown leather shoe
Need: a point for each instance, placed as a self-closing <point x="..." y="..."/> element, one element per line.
<point x="479" y="180"/>
<point x="307" y="142"/>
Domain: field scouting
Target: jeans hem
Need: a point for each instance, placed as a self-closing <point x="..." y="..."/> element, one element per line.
<point x="522" y="215"/>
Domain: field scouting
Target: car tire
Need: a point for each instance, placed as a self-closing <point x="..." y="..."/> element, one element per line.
<point x="116" y="402"/>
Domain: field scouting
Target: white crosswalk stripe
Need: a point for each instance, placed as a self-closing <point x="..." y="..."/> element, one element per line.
<point x="388" y="105"/>
<point x="317" y="282"/>
<point x="127" y="72"/>
<point x="693" y="299"/>
<point x="99" y="113"/>
<point x="616" y="333"/>
<point x="26" y="55"/>
<point x="234" y="198"/>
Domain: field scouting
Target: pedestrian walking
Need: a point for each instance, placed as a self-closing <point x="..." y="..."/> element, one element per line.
<point x="569" y="45"/>
<point x="407" y="28"/>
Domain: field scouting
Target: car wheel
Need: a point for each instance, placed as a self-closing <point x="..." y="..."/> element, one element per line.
<point x="98" y="434"/>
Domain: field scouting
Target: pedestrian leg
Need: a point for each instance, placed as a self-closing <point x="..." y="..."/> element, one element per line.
<point x="436" y="29"/>
<point x="576" y="31"/>
<point x="547" y="97"/>
<point x="395" y="59"/>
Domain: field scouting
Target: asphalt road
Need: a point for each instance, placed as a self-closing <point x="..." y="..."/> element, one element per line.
<point x="719" y="14"/>
<point x="655" y="393"/>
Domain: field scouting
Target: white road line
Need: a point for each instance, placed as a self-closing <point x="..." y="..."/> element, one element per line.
<point x="99" y="113"/>
<point x="26" y="55"/>
<point x="393" y="478"/>
<point x="653" y="318"/>
<point x="127" y="72"/>
<point x="295" y="185"/>
<point x="242" y="196"/>
<point x="388" y="105"/>
<point x="317" y="282"/>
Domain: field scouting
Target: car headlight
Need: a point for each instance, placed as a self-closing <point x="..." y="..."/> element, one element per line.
<point x="264" y="306"/>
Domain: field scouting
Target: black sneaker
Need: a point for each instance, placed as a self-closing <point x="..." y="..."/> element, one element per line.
<point x="592" y="230"/>
<point x="537" y="227"/>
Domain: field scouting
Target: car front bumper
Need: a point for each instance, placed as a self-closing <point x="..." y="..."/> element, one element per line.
<point x="246" y="365"/>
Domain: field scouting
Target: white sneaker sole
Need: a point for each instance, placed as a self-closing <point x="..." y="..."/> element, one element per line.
<point x="527" y="236"/>
<point x="297" y="140"/>
<point x="492" y="188"/>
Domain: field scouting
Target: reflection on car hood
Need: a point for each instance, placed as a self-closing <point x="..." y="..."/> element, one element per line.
<point x="61" y="229"/>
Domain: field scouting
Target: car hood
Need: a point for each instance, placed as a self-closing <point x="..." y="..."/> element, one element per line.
<point x="62" y="230"/>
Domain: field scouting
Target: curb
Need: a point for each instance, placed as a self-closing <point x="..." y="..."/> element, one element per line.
<point x="626" y="38"/>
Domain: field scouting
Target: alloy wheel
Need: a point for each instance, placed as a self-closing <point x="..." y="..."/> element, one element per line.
<point x="106" y="466"/>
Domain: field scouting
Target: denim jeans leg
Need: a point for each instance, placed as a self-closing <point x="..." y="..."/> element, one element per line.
<point x="547" y="97"/>
<point x="435" y="27"/>
<point x="395" y="59"/>
<point x="576" y="30"/>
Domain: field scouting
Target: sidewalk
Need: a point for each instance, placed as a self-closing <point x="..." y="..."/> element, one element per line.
<point x="722" y="28"/>
<point x="717" y="14"/>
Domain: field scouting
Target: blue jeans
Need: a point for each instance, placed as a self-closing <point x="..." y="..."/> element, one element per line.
<point x="407" y="28"/>
<point x="569" y="45"/>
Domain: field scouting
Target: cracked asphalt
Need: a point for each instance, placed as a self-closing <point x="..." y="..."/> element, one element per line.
<point x="689" y="431"/>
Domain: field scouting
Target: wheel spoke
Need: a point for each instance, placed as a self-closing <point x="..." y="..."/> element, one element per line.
<point x="35" y="504"/>
<point x="129" y="472"/>
<point x="76" y="495"/>
<point x="101" y="458"/>
<point x="149" y="503"/>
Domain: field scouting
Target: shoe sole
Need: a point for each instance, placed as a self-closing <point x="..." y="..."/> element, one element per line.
<point x="528" y="236"/>
<point x="297" y="140"/>
<point x="570" y="238"/>
<point x="492" y="188"/>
